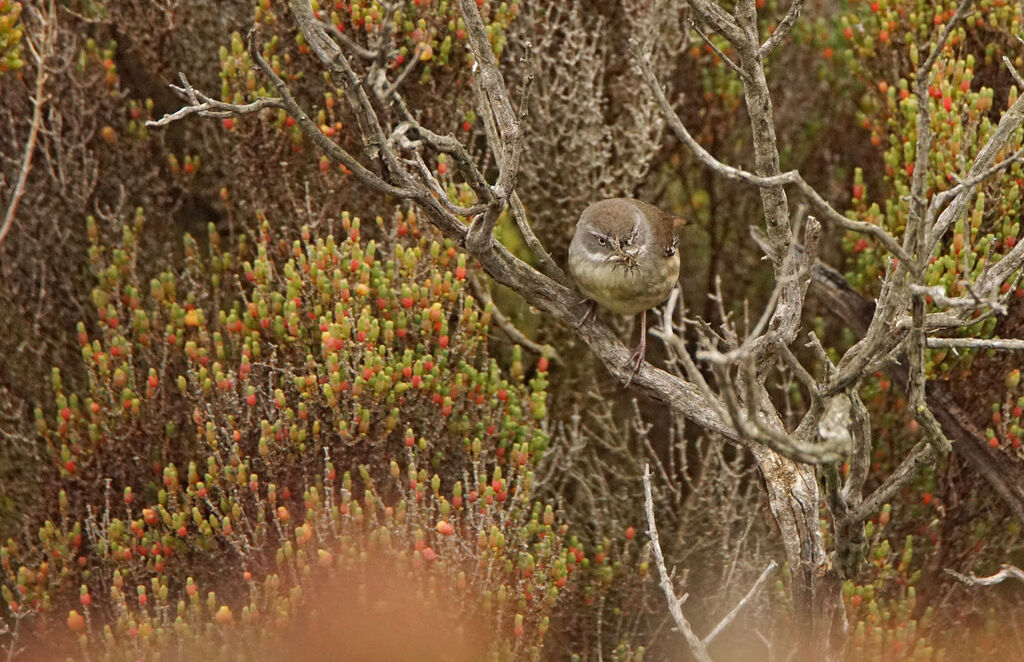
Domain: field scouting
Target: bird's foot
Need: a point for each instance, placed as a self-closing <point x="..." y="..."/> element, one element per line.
<point x="635" y="363"/>
<point x="588" y="314"/>
<point x="636" y="360"/>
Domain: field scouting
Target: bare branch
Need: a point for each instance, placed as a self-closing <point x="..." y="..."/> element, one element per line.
<point x="783" y="29"/>
<point x="1006" y="571"/>
<point x="348" y="42"/>
<point x="789" y="178"/>
<point x="697" y="647"/>
<point x="505" y="324"/>
<point x="860" y="455"/>
<point x="312" y="132"/>
<point x="940" y="298"/>
<point x="203" y="106"/>
<point x="414" y="59"/>
<point x="508" y="125"/>
<point x="725" y="58"/>
<point x="942" y="197"/>
<point x="546" y="264"/>
<point x="41" y="54"/>
<point x="731" y="616"/>
<point x="754" y="428"/>
<point x="1011" y="344"/>
<point x="1013" y="70"/>
<point x="922" y="453"/>
<point x="334" y="59"/>
<point x="722" y="22"/>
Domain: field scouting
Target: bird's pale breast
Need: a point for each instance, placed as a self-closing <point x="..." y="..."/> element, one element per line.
<point x="623" y="291"/>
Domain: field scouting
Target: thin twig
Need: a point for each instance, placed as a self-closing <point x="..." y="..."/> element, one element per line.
<point x="697" y="647"/>
<point x="505" y="324"/>
<point x="413" y="61"/>
<point x="922" y="453"/>
<point x="731" y="616"/>
<point x="1011" y="344"/>
<point x="40" y="54"/>
<point x="725" y="58"/>
<point x="787" y="23"/>
<point x="202" y="105"/>
<point x="1006" y="571"/>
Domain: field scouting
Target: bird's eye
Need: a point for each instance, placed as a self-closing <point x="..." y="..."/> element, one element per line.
<point x="602" y="241"/>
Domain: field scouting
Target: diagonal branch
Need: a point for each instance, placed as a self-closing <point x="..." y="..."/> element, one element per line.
<point x="725" y="58"/>
<point x="731" y="616"/>
<point x="41" y="54"/>
<point x="783" y="29"/>
<point x="719" y="19"/>
<point x="922" y="454"/>
<point x="789" y="178"/>
<point x="312" y="132"/>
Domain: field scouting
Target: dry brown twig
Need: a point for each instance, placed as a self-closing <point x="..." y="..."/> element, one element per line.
<point x="41" y="47"/>
<point x="697" y="646"/>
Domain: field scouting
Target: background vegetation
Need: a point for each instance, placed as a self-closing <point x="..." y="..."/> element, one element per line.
<point x="246" y="400"/>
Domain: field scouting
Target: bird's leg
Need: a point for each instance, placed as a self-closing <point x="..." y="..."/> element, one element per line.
<point x="636" y="361"/>
<point x="588" y="314"/>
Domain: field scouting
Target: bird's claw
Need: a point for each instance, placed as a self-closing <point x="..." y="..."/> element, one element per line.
<point x="588" y="314"/>
<point x="635" y="364"/>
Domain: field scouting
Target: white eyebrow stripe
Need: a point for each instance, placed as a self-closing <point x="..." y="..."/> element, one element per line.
<point x="600" y="256"/>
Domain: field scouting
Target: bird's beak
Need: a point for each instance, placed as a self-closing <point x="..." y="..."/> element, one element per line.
<point x="624" y="257"/>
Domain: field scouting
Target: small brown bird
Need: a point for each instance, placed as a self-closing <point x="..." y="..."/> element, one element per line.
<point x="623" y="257"/>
